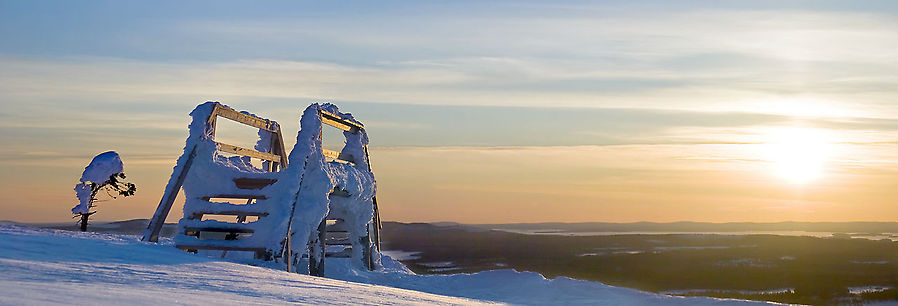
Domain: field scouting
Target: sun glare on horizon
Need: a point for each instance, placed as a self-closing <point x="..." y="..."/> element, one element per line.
<point x="798" y="155"/>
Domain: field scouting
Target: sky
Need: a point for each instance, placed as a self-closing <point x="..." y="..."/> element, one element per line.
<point x="478" y="112"/>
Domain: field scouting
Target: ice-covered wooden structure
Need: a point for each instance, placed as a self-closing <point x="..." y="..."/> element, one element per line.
<point x="309" y="204"/>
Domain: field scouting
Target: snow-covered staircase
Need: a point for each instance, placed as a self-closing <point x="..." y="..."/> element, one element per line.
<point x="322" y="205"/>
<point x="211" y="234"/>
<point x="224" y="207"/>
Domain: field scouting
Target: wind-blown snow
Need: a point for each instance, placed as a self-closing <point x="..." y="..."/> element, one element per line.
<point x="98" y="171"/>
<point x="58" y="267"/>
<point x="101" y="167"/>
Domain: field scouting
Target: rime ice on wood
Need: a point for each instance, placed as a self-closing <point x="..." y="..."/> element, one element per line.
<point x="352" y="210"/>
<point x="98" y="171"/>
<point x="295" y="202"/>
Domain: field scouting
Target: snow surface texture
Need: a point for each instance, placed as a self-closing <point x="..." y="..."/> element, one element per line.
<point x="303" y="186"/>
<point x="47" y="267"/>
<point x="98" y="171"/>
<point x="42" y="267"/>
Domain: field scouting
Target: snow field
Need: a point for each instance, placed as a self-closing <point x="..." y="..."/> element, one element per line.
<point x="39" y="267"/>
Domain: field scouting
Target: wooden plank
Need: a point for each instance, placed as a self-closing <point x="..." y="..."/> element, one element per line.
<point x="200" y="214"/>
<point x="337" y="124"/>
<point x="234" y="196"/>
<point x="165" y="204"/>
<point x="218" y="229"/>
<point x="215" y="247"/>
<point x="287" y="252"/>
<point x="253" y="183"/>
<point x="336" y="121"/>
<point x="377" y="223"/>
<point x="247" y="152"/>
<point x="280" y="149"/>
<point x="342" y="242"/>
<point x="316" y="259"/>
<point x="259" y="252"/>
<point x="340" y="157"/>
<point x="331" y="154"/>
<point x="236" y="116"/>
<point x="212" y="116"/>
<point x="340" y="254"/>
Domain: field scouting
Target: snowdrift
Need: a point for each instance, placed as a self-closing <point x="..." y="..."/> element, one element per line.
<point x="59" y="267"/>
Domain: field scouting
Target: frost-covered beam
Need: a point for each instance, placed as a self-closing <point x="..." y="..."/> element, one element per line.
<point x="253" y="121"/>
<point x="200" y="214"/>
<point x="341" y="157"/>
<point x="247" y="152"/>
<point x="234" y="196"/>
<point x="336" y="121"/>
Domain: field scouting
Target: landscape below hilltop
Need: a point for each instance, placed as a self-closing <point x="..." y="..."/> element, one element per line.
<point x="779" y="262"/>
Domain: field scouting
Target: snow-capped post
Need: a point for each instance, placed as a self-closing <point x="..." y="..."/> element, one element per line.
<point x="103" y="173"/>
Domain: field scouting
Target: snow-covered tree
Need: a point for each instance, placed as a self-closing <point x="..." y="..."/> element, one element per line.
<point x="104" y="173"/>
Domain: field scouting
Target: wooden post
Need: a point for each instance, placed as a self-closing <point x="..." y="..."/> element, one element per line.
<point x="281" y="150"/>
<point x="316" y="259"/>
<point x="367" y="256"/>
<point x="168" y="198"/>
<point x="376" y="218"/>
<point x="288" y="252"/>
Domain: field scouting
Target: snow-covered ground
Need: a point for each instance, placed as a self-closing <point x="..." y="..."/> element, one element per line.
<point x="39" y="266"/>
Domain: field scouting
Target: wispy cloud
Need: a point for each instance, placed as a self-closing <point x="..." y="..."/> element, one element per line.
<point x="724" y="59"/>
<point x="615" y="110"/>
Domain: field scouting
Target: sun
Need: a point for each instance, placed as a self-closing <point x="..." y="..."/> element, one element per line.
<point x="797" y="155"/>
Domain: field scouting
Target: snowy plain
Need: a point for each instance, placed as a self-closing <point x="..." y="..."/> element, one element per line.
<point x="41" y="266"/>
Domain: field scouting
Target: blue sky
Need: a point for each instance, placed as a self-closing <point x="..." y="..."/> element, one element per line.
<point x="647" y="81"/>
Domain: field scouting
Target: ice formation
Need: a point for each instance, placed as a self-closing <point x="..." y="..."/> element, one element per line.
<point x="297" y="200"/>
<point x="98" y="172"/>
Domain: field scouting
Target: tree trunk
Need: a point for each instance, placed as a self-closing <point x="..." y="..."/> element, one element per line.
<point x="84" y="222"/>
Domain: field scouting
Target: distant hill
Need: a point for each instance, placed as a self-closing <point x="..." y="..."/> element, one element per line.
<point x="847" y="227"/>
<point x="136" y="226"/>
<point x="127" y="227"/>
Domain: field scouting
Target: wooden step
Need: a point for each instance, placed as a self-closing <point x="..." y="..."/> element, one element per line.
<point x="242" y="214"/>
<point x="253" y="183"/>
<point x="345" y="253"/>
<point x="217" y="229"/>
<point x="344" y="242"/>
<point x="218" y="247"/>
<point x="259" y="252"/>
<point x="235" y="196"/>
<point x="338" y="225"/>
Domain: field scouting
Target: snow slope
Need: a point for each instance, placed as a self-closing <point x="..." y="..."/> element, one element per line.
<point x="58" y="267"/>
<point x="55" y="267"/>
